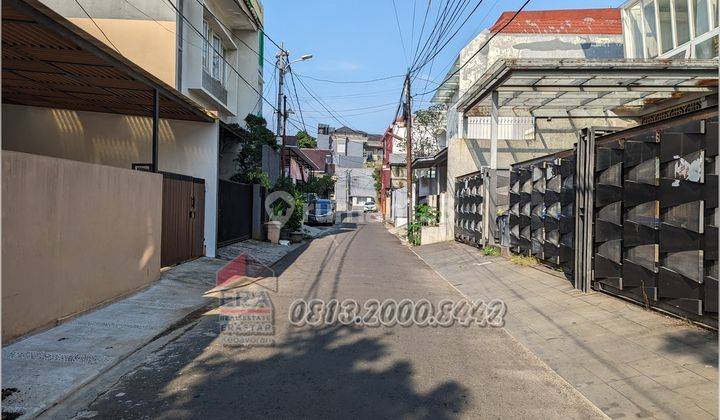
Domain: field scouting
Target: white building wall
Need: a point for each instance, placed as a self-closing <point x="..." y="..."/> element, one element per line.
<point x="187" y="148"/>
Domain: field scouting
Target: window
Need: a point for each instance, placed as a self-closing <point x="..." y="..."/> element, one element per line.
<point x="341" y="147"/>
<point x="714" y="12"/>
<point x="218" y="59"/>
<point x="651" y="47"/>
<point x="206" y="46"/>
<point x="666" y="32"/>
<point x="636" y="40"/>
<point x="707" y="48"/>
<point x="702" y="23"/>
<point x="682" y="21"/>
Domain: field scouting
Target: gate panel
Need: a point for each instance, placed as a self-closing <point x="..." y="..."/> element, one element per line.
<point x="183" y="219"/>
<point x="469" y="209"/>
<point x="235" y="203"/>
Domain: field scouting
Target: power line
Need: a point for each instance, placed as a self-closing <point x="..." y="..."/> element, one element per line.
<point x="438" y="50"/>
<point x="227" y="28"/>
<point x="97" y="26"/>
<point x="487" y="41"/>
<point x="297" y="98"/>
<point x="351" y="81"/>
<point x="402" y="42"/>
<point x="321" y="104"/>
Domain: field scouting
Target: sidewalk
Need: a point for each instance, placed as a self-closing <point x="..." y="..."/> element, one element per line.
<point x="44" y="369"/>
<point x="628" y="361"/>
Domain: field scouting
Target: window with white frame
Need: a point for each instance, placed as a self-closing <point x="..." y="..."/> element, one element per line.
<point x="341" y="147"/>
<point x="671" y="29"/>
<point x="206" y="46"/>
<point x="213" y="54"/>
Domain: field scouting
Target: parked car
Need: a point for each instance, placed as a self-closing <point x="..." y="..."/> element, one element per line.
<point x="370" y="206"/>
<point x="321" y="211"/>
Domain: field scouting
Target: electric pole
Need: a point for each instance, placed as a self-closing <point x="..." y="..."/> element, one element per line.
<point x="408" y="147"/>
<point x="281" y="61"/>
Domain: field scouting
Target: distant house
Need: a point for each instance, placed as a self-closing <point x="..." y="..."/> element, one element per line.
<point x="354" y="156"/>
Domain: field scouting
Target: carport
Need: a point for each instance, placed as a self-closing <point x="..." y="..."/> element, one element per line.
<point x="550" y="88"/>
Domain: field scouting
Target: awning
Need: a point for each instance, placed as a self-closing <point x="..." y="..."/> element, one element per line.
<point x="294" y="151"/>
<point x="439" y="159"/>
<point x="550" y="87"/>
<point x="47" y="61"/>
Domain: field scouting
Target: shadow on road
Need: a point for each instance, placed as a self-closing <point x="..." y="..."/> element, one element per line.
<point x="321" y="373"/>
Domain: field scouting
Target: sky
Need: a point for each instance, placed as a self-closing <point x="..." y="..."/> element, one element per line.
<point x="359" y="40"/>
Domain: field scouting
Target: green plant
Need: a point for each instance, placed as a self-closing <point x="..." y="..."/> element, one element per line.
<point x="413" y="232"/>
<point x="320" y="185"/>
<point x="526" y="260"/>
<point x="377" y="177"/>
<point x="279" y="206"/>
<point x="491" y="251"/>
<point x="305" y="140"/>
<point x="251" y="139"/>
<point x="426" y="215"/>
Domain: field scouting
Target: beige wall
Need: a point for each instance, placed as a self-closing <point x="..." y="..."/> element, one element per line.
<point x="186" y="147"/>
<point x="74" y="235"/>
<point x="149" y="44"/>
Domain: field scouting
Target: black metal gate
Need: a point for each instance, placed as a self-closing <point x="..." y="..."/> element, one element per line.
<point x="541" y="208"/>
<point x="235" y="204"/>
<point x="469" y="209"/>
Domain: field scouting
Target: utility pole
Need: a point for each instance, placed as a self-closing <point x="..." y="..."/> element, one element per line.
<point x="408" y="147"/>
<point x="281" y="61"/>
<point x="281" y="103"/>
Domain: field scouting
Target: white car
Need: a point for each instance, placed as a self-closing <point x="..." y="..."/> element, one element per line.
<point x="370" y="206"/>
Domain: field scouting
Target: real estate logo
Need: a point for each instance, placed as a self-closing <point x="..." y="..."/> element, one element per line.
<point x="246" y="312"/>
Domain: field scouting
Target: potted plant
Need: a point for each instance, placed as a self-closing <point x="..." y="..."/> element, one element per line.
<point x="274" y="225"/>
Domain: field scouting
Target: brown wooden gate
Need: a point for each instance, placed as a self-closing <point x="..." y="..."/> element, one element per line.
<point x="183" y="219"/>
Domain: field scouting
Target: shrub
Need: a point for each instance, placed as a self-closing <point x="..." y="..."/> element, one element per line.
<point x="526" y="260"/>
<point x="491" y="251"/>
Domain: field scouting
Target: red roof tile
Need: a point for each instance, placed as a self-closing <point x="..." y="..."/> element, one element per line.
<point x="317" y="156"/>
<point x="579" y="21"/>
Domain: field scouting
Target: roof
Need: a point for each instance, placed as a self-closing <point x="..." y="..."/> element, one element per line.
<point x="574" y="21"/>
<point x="430" y="161"/>
<point x="551" y="87"/>
<point x="304" y="159"/>
<point x="50" y="62"/>
<point x="317" y="156"/>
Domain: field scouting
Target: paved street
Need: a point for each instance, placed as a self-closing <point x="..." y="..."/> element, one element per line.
<point x="338" y="371"/>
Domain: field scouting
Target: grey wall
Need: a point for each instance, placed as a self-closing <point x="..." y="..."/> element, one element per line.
<point x="271" y="163"/>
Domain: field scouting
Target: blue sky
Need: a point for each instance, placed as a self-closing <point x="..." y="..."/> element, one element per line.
<point x="355" y="40"/>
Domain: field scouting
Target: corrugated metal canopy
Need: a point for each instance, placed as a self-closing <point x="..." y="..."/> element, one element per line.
<point x="47" y="61"/>
<point x="550" y="87"/>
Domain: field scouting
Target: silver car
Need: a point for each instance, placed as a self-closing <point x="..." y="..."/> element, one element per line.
<point x="321" y="211"/>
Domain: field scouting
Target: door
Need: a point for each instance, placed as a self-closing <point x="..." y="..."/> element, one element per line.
<point x="183" y="219"/>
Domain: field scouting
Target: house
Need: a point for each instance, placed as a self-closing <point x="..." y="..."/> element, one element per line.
<point x="562" y="96"/>
<point x="393" y="181"/>
<point x="584" y="34"/>
<point x="681" y="29"/>
<point x="80" y="225"/>
<point x="355" y="155"/>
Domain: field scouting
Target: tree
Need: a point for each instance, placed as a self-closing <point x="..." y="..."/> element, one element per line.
<point x="305" y="140"/>
<point x="427" y="126"/>
<point x="321" y="185"/>
<point x="251" y="139"/>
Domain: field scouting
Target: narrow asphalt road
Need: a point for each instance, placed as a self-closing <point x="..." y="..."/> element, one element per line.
<point x="346" y="371"/>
